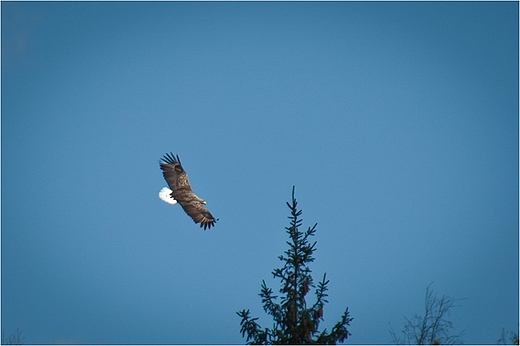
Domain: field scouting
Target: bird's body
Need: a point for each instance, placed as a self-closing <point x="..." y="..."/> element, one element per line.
<point x="180" y="192"/>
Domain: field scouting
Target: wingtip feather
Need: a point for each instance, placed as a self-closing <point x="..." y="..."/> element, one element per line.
<point x="170" y="158"/>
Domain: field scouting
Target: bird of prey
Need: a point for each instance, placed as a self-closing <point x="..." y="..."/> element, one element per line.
<point x="180" y="192"/>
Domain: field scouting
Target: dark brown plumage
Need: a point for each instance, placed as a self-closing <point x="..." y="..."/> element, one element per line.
<point x="177" y="180"/>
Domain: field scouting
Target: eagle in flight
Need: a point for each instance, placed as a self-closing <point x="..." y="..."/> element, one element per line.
<point x="180" y="192"/>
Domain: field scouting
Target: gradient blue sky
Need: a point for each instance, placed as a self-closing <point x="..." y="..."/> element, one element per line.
<point x="396" y="122"/>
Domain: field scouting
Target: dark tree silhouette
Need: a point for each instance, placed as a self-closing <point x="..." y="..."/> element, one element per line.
<point x="295" y="322"/>
<point x="509" y="338"/>
<point x="433" y="328"/>
<point x="15" y="338"/>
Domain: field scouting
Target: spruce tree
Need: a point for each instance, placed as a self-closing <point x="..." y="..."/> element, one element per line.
<point x="295" y="321"/>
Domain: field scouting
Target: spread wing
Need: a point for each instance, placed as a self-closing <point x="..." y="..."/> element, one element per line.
<point x="178" y="182"/>
<point x="174" y="174"/>
<point x="199" y="213"/>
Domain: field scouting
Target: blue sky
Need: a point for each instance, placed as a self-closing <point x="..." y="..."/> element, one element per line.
<point x="396" y="122"/>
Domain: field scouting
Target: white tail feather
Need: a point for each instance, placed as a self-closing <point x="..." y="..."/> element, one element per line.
<point x="164" y="194"/>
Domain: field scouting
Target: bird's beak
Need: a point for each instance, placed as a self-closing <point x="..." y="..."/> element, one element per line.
<point x="203" y="202"/>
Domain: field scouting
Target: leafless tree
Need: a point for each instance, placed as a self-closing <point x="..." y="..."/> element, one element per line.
<point x="509" y="338"/>
<point x="14" y="339"/>
<point x="433" y="328"/>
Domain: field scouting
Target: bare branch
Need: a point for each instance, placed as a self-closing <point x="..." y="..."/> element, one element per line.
<point x="433" y="327"/>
